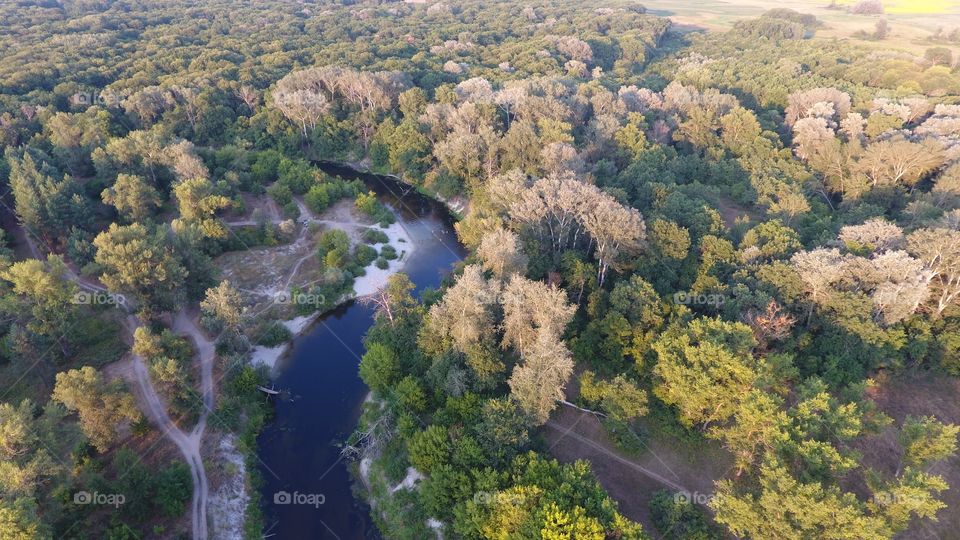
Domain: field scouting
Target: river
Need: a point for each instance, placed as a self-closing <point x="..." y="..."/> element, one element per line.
<point x="298" y="451"/>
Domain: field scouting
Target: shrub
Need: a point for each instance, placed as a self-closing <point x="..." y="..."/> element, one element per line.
<point x="364" y="254"/>
<point x="174" y="488"/>
<point x="867" y="7"/>
<point x="369" y="205"/>
<point x="274" y="334"/>
<point x="280" y="193"/>
<point x="318" y="198"/>
<point x="382" y="263"/>
<point x="379" y="367"/>
<point x="677" y="517"/>
<point x="388" y="252"/>
<point x="334" y="249"/>
<point x="375" y="236"/>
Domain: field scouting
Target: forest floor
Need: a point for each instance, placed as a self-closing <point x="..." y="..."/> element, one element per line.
<point x="916" y="394"/>
<point x="730" y="210"/>
<point x="632" y="480"/>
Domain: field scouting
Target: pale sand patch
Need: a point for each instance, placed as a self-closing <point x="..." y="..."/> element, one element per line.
<point x="228" y="504"/>
<point x="365" y="285"/>
<point x="295" y="326"/>
<point x="268" y="356"/>
<point x="365" y="468"/>
<point x="437" y="527"/>
<point x="376" y="278"/>
<point x="410" y="481"/>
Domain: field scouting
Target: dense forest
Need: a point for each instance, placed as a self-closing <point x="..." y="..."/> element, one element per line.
<point x="742" y="244"/>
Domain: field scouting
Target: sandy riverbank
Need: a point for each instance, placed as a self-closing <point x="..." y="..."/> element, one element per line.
<point x="375" y="278"/>
<point x="228" y="504"/>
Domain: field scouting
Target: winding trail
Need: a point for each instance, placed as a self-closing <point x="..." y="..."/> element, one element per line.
<point x="206" y="354"/>
<point x="188" y="444"/>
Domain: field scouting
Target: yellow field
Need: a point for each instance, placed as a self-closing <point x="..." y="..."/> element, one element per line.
<point x="911" y="22"/>
<point x="927" y="7"/>
<point x="933" y="7"/>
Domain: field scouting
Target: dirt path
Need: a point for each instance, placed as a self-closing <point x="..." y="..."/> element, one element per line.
<point x="630" y="479"/>
<point x="188" y="443"/>
<point x="206" y="354"/>
<point x="651" y="474"/>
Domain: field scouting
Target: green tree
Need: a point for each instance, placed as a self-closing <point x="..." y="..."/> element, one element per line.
<point x="133" y="197"/>
<point x="705" y="369"/>
<point x="675" y="516"/>
<point x="25" y="462"/>
<point x="44" y="291"/>
<point x="925" y="440"/>
<point x="101" y="406"/>
<point x="45" y="205"/>
<point x="939" y="56"/>
<point x="911" y="494"/>
<point x="19" y="520"/>
<point x="224" y="305"/>
<point x="620" y="397"/>
<point x="140" y="264"/>
<point x="199" y="201"/>
<point x="429" y="449"/>
<point x="786" y="508"/>
<point x="502" y="430"/>
<point x="538" y="382"/>
<point x="379" y="368"/>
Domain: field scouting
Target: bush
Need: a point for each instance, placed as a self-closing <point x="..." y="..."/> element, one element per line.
<point x="321" y="196"/>
<point x="375" y="236"/>
<point x="297" y="175"/>
<point x="867" y="7"/>
<point x="388" y="252"/>
<point x="174" y="489"/>
<point x="291" y="210"/>
<point x="379" y="368"/>
<point x="263" y="168"/>
<point x="677" y="517"/>
<point x="939" y="56"/>
<point x="429" y="449"/>
<point x="369" y="205"/>
<point x="334" y="249"/>
<point x="382" y="263"/>
<point x="274" y="334"/>
<point x="317" y="198"/>
<point x="364" y="254"/>
<point x="280" y="193"/>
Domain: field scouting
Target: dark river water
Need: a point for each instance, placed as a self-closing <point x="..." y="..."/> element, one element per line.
<point x="306" y="489"/>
